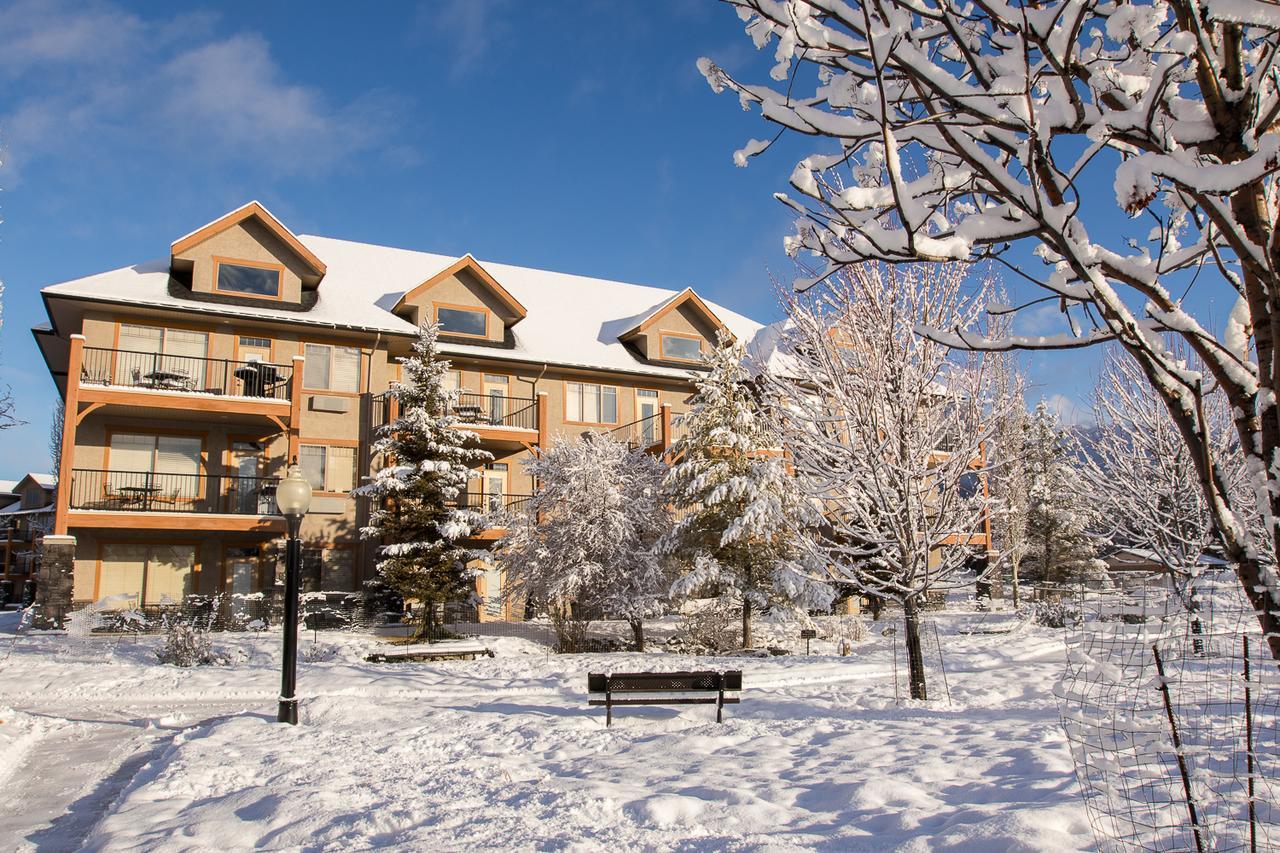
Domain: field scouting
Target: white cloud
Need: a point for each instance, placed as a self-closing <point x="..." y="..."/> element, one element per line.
<point x="90" y="78"/>
<point x="467" y="28"/>
<point x="1070" y="412"/>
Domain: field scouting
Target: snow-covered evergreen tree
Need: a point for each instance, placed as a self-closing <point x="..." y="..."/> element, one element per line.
<point x="587" y="545"/>
<point x="742" y="516"/>
<point x="413" y="498"/>
<point x="1060" y="549"/>
<point x="887" y="429"/>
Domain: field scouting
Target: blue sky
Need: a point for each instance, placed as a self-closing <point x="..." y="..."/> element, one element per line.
<point x="576" y="137"/>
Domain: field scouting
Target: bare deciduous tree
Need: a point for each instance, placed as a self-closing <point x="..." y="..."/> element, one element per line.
<point x="962" y="129"/>
<point x="886" y="430"/>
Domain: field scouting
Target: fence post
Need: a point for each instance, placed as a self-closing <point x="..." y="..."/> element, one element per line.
<point x="1177" y="749"/>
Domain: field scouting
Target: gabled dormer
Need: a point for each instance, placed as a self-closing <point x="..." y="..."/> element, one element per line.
<point x="247" y="257"/>
<point x="679" y="330"/>
<point x="469" y="304"/>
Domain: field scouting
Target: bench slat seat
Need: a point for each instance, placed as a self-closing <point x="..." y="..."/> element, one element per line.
<point x="663" y="688"/>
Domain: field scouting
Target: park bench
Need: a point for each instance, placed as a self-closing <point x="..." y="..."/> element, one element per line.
<point x="434" y="652"/>
<point x="663" y="688"/>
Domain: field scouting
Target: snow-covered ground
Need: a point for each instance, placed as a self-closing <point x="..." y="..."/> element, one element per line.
<point x="103" y="748"/>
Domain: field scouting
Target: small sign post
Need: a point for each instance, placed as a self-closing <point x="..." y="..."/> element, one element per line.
<point x="807" y="634"/>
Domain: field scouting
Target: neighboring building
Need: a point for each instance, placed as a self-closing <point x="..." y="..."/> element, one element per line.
<point x="26" y="514"/>
<point x="190" y="381"/>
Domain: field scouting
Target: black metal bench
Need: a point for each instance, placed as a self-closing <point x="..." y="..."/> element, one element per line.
<point x="663" y="688"/>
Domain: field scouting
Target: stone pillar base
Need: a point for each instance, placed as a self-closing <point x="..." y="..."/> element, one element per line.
<point x="55" y="576"/>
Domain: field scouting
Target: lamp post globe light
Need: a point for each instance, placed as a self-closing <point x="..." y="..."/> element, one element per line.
<point x="293" y="498"/>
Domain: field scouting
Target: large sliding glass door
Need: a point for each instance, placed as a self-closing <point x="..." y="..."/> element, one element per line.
<point x="155" y="471"/>
<point x="135" y="575"/>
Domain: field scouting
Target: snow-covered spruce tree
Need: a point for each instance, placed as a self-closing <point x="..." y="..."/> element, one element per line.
<point x="887" y="431"/>
<point x="952" y="130"/>
<point x="1060" y="548"/>
<point x="413" y="498"/>
<point x="587" y="544"/>
<point x="742" y="519"/>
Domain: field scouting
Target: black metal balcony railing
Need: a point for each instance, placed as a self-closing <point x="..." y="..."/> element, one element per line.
<point x="152" y="491"/>
<point x="159" y="371"/>
<point x="493" y="503"/>
<point x="640" y="434"/>
<point x="472" y="410"/>
<point x="493" y="410"/>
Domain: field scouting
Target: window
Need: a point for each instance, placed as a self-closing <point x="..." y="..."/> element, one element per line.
<point x="158" y="357"/>
<point x="337" y="569"/>
<point x="254" y="349"/>
<point x="463" y="321"/>
<point x="140" y="575"/>
<point x="328" y="469"/>
<point x="158" y="471"/>
<point x="248" y="280"/>
<point x="330" y="368"/>
<point x="590" y="404"/>
<point x="681" y="348"/>
<point x="453" y="381"/>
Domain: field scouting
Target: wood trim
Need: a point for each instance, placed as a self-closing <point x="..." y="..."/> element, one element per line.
<point x="239" y="215"/>
<point x="468" y="263"/>
<point x="211" y="522"/>
<point x="662" y="356"/>
<point x="686" y="295"/>
<point x="71" y="409"/>
<point x="295" y="408"/>
<point x="218" y="261"/>
<point x="564" y="390"/>
<point x="185" y="400"/>
<point x="435" y="318"/>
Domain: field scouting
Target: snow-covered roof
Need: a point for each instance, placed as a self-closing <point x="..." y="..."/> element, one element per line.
<point x="7" y="486"/>
<point x="44" y="481"/>
<point x="573" y="320"/>
<point x="16" y="509"/>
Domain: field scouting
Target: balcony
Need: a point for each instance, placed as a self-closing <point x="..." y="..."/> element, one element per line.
<point x="642" y="434"/>
<point x="501" y="508"/>
<point x="510" y="420"/>
<point x="160" y="380"/>
<point x="155" y="500"/>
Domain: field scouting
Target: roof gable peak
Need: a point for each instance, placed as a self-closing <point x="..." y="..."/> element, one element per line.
<point x="250" y="210"/>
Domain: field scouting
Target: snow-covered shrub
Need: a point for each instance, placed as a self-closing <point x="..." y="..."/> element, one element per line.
<point x="710" y="629"/>
<point x="320" y="652"/>
<point x="1053" y="613"/>
<point x="187" y="645"/>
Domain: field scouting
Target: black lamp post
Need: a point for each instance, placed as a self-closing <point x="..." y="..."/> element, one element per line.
<point x="293" y="497"/>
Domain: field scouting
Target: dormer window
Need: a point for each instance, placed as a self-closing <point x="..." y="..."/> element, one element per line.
<point x="681" y="347"/>
<point x="469" y="322"/>
<point x="247" y="278"/>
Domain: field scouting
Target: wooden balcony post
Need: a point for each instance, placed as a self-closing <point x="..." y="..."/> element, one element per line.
<point x="295" y="407"/>
<point x="665" y="410"/>
<point x="544" y="433"/>
<point x="70" y="420"/>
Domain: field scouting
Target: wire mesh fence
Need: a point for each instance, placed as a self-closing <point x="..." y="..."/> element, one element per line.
<point x="1171" y="704"/>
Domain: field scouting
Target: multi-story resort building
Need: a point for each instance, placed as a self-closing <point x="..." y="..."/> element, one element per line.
<point x="190" y="382"/>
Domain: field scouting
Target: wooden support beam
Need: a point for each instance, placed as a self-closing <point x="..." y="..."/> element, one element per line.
<point x="544" y="411"/>
<point x="295" y="408"/>
<point x="70" y="419"/>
